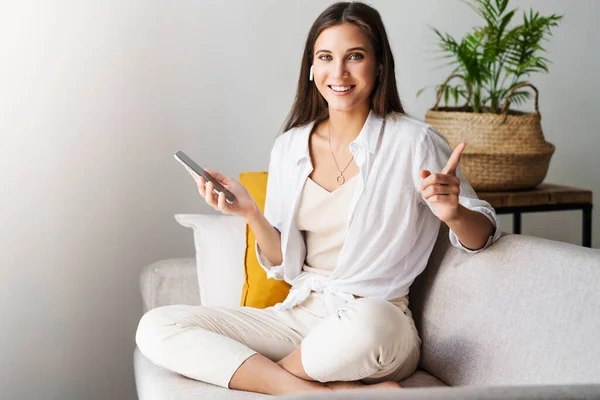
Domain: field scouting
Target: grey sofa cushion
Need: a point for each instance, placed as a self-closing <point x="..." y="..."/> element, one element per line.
<point x="525" y="311"/>
<point x="422" y="379"/>
<point x="156" y="383"/>
<point x="530" y="392"/>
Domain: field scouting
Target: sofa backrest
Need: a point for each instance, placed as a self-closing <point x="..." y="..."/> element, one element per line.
<point x="524" y="311"/>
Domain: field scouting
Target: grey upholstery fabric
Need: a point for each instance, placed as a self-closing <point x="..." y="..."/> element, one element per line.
<point x="171" y="281"/>
<point x="525" y="311"/>
<point x="421" y="379"/>
<point x="530" y="392"/>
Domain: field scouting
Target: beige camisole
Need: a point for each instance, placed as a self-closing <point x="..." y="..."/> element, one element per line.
<point x="322" y="217"/>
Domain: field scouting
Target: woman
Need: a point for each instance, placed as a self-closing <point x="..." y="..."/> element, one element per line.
<point x="355" y="197"/>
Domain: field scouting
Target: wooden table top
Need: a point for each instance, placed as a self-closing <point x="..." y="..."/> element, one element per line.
<point x="544" y="194"/>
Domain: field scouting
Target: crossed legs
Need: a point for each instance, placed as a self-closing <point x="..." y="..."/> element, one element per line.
<point x="247" y="349"/>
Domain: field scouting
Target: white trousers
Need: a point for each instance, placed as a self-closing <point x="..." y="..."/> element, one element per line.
<point x="369" y="339"/>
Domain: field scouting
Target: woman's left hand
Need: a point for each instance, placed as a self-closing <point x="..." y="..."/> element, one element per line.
<point x="442" y="189"/>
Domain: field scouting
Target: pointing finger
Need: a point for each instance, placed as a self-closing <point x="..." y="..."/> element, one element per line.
<point x="452" y="164"/>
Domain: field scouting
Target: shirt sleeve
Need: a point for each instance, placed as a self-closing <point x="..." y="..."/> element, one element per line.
<point x="433" y="152"/>
<point x="272" y="211"/>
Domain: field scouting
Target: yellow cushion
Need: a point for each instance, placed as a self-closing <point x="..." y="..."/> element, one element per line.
<point x="258" y="290"/>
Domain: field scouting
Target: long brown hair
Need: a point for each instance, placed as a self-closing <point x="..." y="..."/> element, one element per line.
<point x="309" y="104"/>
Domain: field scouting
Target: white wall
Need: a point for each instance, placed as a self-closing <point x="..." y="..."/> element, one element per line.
<point x="95" y="97"/>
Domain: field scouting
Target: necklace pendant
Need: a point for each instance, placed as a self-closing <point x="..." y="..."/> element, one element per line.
<point x="340" y="179"/>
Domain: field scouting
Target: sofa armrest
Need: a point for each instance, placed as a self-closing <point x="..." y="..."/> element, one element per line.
<point x="170" y="281"/>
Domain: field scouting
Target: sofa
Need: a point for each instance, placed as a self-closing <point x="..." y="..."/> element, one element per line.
<point x="518" y="320"/>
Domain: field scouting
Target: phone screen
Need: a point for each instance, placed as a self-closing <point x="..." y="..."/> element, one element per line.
<point x="218" y="188"/>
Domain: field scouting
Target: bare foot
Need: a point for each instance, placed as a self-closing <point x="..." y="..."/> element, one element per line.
<point x="387" y="385"/>
<point x="341" y="385"/>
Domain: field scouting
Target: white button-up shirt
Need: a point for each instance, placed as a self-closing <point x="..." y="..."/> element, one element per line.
<point x="391" y="229"/>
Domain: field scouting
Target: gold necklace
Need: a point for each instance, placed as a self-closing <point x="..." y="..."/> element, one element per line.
<point x="340" y="178"/>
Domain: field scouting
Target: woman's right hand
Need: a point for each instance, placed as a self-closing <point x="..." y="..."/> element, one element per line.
<point x="243" y="205"/>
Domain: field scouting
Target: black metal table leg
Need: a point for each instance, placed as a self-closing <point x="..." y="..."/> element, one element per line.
<point x="517" y="222"/>
<point x="587" y="226"/>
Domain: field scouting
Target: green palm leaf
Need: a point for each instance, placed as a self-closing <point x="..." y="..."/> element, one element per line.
<point x="496" y="56"/>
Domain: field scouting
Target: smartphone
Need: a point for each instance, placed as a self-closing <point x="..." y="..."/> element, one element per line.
<point x="217" y="187"/>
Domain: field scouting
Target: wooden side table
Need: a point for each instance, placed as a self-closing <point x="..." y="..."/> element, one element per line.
<point x="545" y="197"/>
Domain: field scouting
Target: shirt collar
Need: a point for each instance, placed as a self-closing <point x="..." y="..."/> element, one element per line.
<point x="367" y="138"/>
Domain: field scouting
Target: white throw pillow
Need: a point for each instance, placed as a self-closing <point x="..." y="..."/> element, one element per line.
<point x="220" y="242"/>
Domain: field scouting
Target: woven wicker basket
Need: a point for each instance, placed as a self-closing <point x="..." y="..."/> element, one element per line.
<point x="504" y="151"/>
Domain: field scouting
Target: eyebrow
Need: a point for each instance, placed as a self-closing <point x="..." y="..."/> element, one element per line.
<point x="350" y="49"/>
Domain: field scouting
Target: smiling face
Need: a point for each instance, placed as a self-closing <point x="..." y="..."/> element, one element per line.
<point x="343" y="56"/>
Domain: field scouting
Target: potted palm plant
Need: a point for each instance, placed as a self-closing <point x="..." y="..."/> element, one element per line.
<point x="506" y="147"/>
